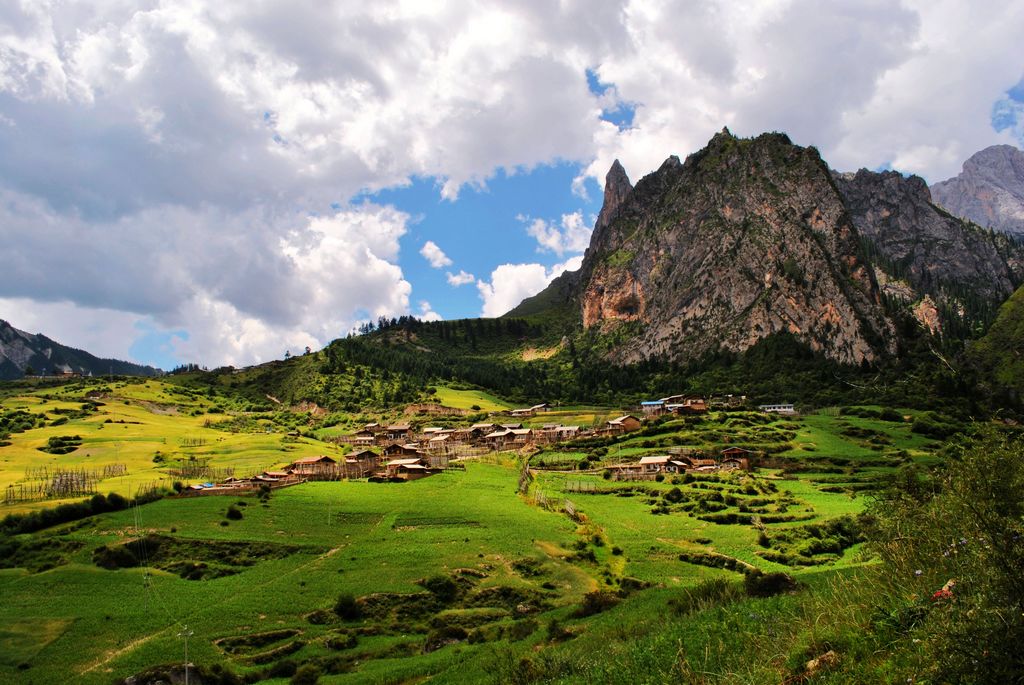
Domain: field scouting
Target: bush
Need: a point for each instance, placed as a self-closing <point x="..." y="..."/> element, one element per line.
<point x="710" y="593"/>
<point x="952" y="547"/>
<point x="442" y="587"/>
<point x="347" y="608"/>
<point x="674" y="495"/>
<point x="595" y="602"/>
<point x="307" y="674"/>
<point x="234" y="513"/>
<point x="285" y="668"/>
<point x="760" y="584"/>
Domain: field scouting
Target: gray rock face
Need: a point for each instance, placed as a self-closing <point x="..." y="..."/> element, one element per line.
<point x="746" y="239"/>
<point x="989" y="191"/>
<point x="933" y="251"/>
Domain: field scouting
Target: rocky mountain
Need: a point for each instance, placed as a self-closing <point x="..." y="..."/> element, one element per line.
<point x="20" y="351"/>
<point x="989" y="191"/>
<point x="748" y="238"/>
<point x="745" y="239"/>
<point x="920" y="249"/>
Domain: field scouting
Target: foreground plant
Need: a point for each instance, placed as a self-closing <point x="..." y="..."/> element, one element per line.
<point x="953" y="545"/>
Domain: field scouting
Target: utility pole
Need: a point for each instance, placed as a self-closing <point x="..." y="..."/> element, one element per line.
<point x="186" y="634"/>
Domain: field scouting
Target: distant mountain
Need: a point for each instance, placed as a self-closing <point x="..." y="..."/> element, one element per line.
<point x="20" y="350"/>
<point x="989" y="191"/>
<point x="921" y="250"/>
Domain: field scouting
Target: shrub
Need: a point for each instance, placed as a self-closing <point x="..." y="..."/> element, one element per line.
<point x="442" y="587"/>
<point x="674" y="495"/>
<point x="756" y="583"/>
<point x="347" y="608"/>
<point x="595" y="602"/>
<point x="964" y="524"/>
<point x="233" y="513"/>
<point x="710" y="593"/>
<point x="307" y="674"/>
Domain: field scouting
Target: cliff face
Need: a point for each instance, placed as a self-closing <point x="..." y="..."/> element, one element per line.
<point x="989" y="191"/>
<point x="933" y="252"/>
<point x="746" y="239"/>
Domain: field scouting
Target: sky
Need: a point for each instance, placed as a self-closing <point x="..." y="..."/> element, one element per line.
<point x="220" y="182"/>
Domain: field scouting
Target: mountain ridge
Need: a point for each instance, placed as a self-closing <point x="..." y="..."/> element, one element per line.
<point x="20" y="351"/>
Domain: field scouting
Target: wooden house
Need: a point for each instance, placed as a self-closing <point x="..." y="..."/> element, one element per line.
<point x="623" y="424"/>
<point x="398" y="431"/>
<point x="397" y="449"/>
<point x="662" y="464"/>
<point x="308" y="466"/>
<point x="363" y="437"/>
<point x="409" y="469"/>
<point x="689" y="405"/>
<point x="625" y="471"/>
<point x="567" y="432"/>
<point x="361" y="463"/>
<point x="521" y="436"/>
<point x="500" y="438"/>
<point x="439" y="443"/>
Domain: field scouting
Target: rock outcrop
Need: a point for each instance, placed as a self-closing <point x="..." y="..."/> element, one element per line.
<point x="989" y="191"/>
<point x="745" y="239"/>
<point x="916" y="241"/>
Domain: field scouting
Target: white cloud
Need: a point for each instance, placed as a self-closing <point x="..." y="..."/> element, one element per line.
<point x="573" y="236"/>
<point x="435" y="255"/>
<point x="510" y="284"/>
<point x="207" y="134"/>
<point x="461" y="278"/>
<point x="106" y="333"/>
<point x="427" y="313"/>
<point x="244" y="287"/>
<point x="869" y="83"/>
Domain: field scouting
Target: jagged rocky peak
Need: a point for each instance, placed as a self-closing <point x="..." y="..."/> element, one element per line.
<point x="745" y="239"/>
<point x="989" y="190"/>
<point x="617" y="190"/>
<point x="935" y="253"/>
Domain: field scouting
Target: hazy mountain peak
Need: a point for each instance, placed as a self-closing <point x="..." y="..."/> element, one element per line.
<point x="989" y="191"/>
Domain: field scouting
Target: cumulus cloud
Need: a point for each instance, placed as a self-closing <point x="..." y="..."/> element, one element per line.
<point x="435" y="255"/>
<point x="427" y="313"/>
<point x="179" y="161"/>
<point x="106" y="333"/>
<point x="461" y="278"/>
<point x="242" y="285"/>
<point x="572" y="236"/>
<point x="510" y="284"/>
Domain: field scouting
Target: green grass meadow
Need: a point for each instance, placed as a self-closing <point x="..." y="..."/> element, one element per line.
<point x="263" y="584"/>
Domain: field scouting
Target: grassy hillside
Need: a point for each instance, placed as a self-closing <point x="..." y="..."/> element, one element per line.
<point x="147" y="427"/>
<point x="470" y="576"/>
<point x="997" y="354"/>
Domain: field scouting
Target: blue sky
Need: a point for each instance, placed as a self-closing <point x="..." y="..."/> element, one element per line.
<point x="483" y="228"/>
<point x="220" y="181"/>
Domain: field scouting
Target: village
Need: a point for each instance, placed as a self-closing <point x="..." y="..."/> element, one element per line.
<point x="401" y="451"/>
